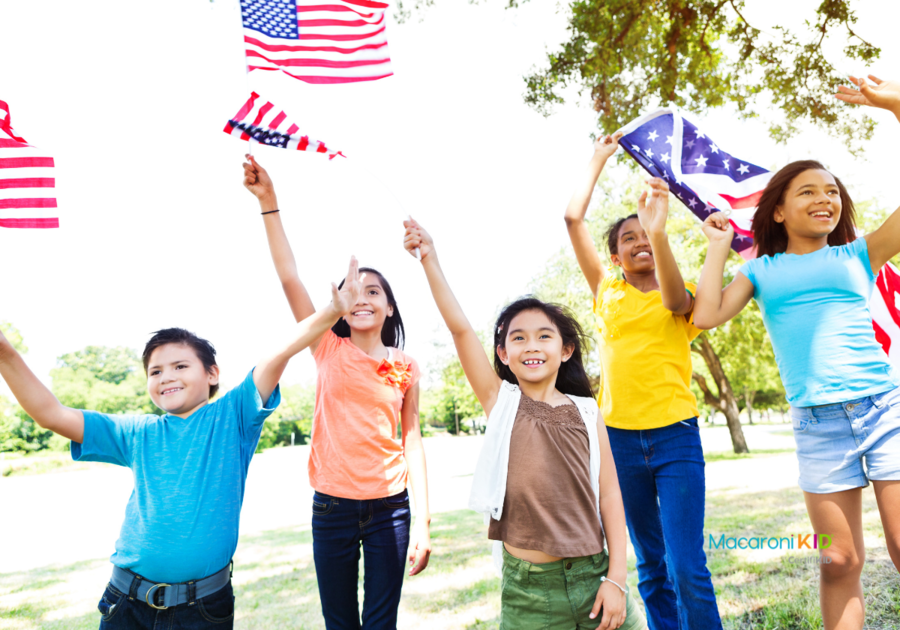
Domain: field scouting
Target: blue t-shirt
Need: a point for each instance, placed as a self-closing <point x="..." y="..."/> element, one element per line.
<point x="816" y="309"/>
<point x="181" y="522"/>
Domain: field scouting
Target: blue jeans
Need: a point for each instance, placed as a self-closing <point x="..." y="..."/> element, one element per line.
<point x="339" y="527"/>
<point x="119" y="612"/>
<point x="661" y="474"/>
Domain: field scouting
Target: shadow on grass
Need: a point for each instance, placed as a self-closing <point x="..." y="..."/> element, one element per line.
<point x="722" y="456"/>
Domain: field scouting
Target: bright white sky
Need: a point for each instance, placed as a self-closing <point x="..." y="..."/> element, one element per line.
<point x="157" y="231"/>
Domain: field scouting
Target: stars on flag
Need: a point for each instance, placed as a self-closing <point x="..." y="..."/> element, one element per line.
<point x="742" y="169"/>
<point x="649" y="152"/>
<point x="653" y="135"/>
<point x="701" y="161"/>
<point x="665" y="158"/>
<point x="690" y="144"/>
<point x="725" y="164"/>
<point x="669" y="140"/>
<point x="714" y="148"/>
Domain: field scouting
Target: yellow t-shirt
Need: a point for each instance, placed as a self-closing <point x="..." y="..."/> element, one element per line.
<point x="645" y="358"/>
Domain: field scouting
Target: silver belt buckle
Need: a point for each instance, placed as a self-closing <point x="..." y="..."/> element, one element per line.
<point x="150" y="590"/>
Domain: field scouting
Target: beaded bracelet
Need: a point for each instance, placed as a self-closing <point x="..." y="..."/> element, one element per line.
<point x="606" y="579"/>
<point x="270" y="211"/>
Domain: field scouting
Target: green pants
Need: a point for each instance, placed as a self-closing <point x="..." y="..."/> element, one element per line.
<point x="557" y="595"/>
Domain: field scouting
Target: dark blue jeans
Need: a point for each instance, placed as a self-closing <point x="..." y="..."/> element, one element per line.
<point x="661" y="474"/>
<point x="339" y="527"/>
<point x="118" y="612"/>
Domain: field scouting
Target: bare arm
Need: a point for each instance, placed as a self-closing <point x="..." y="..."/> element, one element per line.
<point x="34" y="397"/>
<point x="484" y="381"/>
<point x="420" y="539"/>
<point x="268" y="371"/>
<point x="714" y="305"/>
<point x="612" y="511"/>
<point x="258" y="182"/>
<point x="653" y="211"/>
<point x="585" y="251"/>
<point x="883" y="243"/>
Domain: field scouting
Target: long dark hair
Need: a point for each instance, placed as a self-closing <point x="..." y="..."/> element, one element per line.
<point x="612" y="233"/>
<point x="393" y="335"/>
<point x="771" y="237"/>
<point x="572" y="378"/>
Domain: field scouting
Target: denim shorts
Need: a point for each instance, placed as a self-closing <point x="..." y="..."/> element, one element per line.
<point x="844" y="445"/>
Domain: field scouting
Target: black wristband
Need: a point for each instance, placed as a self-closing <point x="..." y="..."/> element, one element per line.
<point x="270" y="211"/>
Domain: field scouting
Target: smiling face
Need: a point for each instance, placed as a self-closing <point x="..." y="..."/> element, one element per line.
<point x="177" y="380"/>
<point x="372" y="308"/>
<point x="634" y="253"/>
<point x="534" y="348"/>
<point x="811" y="207"/>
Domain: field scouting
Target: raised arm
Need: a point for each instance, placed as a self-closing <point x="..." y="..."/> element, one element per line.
<point x="34" y="397"/>
<point x="883" y="243"/>
<point x="258" y="182"/>
<point x="475" y="363"/>
<point x="653" y="211"/>
<point x="588" y="259"/>
<point x="715" y="305"/>
<point x="268" y="371"/>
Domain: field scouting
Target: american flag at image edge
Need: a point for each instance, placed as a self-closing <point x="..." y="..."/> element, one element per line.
<point x="27" y="183"/>
<point x="325" y="41"/>
<point x="703" y="176"/>
<point x="259" y="121"/>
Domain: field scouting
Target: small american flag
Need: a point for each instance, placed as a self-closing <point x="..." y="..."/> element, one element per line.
<point x="317" y="41"/>
<point x="26" y="181"/>
<point x="259" y="121"/>
<point x="703" y="176"/>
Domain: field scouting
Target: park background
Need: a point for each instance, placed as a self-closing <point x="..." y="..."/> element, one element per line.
<point x="156" y="231"/>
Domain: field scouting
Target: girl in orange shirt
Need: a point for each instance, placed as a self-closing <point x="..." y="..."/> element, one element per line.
<point x="366" y="384"/>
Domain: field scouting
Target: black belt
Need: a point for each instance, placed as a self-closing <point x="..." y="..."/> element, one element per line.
<point x="161" y="595"/>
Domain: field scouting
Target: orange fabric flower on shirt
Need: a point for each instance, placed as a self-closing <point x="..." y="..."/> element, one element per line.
<point x="397" y="374"/>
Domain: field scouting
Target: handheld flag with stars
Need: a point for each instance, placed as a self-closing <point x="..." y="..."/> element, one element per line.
<point x="259" y="121"/>
<point x="704" y="177"/>
<point x="27" y="182"/>
<point x="338" y="41"/>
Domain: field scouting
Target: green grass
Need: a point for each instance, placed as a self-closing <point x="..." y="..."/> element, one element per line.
<point x="720" y="456"/>
<point x="275" y="580"/>
<point x="20" y="464"/>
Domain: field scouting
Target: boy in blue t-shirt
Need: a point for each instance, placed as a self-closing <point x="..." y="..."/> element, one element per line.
<point x="172" y="561"/>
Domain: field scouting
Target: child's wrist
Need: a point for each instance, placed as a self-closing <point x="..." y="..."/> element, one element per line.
<point x="268" y="202"/>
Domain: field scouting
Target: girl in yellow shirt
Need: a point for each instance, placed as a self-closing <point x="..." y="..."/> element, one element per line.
<point x="645" y="398"/>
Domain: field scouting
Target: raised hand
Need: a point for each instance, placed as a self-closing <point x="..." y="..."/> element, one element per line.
<point x="605" y="146"/>
<point x="345" y="298"/>
<point x="884" y="94"/>
<point x="257" y="180"/>
<point x="416" y="236"/>
<point x="718" y="228"/>
<point x="653" y="209"/>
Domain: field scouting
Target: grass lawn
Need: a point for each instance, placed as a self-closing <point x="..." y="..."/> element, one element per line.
<point x="275" y="580"/>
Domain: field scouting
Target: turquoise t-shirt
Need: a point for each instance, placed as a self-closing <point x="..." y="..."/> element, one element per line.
<point x="816" y="310"/>
<point x="181" y="522"/>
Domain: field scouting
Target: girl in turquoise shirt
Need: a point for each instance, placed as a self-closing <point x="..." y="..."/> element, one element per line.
<point x="812" y="281"/>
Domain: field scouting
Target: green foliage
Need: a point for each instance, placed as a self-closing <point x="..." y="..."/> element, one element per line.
<point x="294" y="415"/>
<point x="452" y="400"/>
<point x="13" y="336"/>
<point x="630" y="55"/>
<point x="110" y="365"/>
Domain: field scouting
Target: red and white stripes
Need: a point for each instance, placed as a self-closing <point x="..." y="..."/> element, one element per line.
<point x="27" y="183"/>
<point x="338" y="41"/>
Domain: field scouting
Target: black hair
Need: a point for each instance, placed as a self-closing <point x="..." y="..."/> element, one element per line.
<point x="770" y="236"/>
<point x="572" y="378"/>
<point x="179" y="336"/>
<point x="612" y="233"/>
<point x="393" y="335"/>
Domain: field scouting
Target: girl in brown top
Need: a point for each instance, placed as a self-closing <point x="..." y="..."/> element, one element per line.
<point x="556" y="573"/>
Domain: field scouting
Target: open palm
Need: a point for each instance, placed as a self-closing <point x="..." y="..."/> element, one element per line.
<point x="347" y="296"/>
<point x="653" y="208"/>
<point x="884" y="94"/>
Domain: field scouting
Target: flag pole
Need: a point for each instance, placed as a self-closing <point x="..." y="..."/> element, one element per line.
<point x="397" y="199"/>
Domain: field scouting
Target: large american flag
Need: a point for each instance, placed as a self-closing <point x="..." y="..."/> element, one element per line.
<point x="260" y="121"/>
<point x="27" y="183"/>
<point x="708" y="179"/>
<point x="703" y="176"/>
<point x="317" y="41"/>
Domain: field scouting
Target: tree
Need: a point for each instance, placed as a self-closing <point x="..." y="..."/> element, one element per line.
<point x="630" y="55"/>
<point x="294" y="416"/>
<point x="452" y="403"/>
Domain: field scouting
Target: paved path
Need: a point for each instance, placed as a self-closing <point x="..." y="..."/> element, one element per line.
<point x="66" y="517"/>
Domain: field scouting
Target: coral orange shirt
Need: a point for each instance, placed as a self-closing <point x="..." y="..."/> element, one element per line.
<point x="355" y="452"/>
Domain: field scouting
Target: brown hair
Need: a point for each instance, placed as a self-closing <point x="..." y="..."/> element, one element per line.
<point x="770" y="236"/>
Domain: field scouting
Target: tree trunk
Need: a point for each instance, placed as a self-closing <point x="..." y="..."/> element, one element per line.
<point x="725" y="401"/>
<point x="748" y="400"/>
